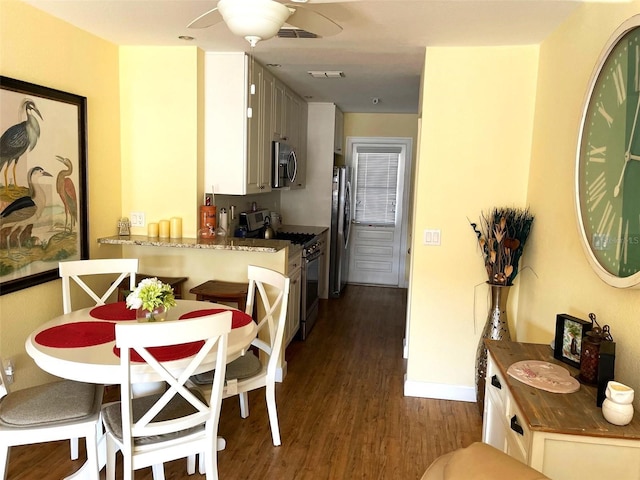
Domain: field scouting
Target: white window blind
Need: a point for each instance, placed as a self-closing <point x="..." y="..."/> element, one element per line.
<point x="376" y="184"/>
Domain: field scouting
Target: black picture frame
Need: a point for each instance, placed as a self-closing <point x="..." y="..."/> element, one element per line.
<point x="43" y="205"/>
<point x="568" y="340"/>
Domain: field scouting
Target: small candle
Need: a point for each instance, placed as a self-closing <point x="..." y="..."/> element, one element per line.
<point x="163" y="227"/>
<point x="176" y="227"/>
<point x="152" y="230"/>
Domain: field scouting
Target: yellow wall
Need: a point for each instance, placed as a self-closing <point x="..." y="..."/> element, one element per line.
<point x="37" y="48"/>
<point x="565" y="283"/>
<point x="380" y="125"/>
<point x="161" y="146"/>
<point x="475" y="144"/>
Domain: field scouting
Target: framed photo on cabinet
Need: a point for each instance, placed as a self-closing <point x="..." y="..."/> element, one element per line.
<point x="43" y="185"/>
<point x="568" y="339"/>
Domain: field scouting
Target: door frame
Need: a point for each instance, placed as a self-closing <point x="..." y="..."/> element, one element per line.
<point x="407" y="143"/>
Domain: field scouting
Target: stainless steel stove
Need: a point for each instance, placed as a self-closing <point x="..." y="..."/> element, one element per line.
<point x="312" y="251"/>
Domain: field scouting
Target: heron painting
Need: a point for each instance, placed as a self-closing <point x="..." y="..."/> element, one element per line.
<point x="67" y="191"/>
<point x="25" y="210"/>
<point x="18" y="139"/>
<point x="43" y="207"/>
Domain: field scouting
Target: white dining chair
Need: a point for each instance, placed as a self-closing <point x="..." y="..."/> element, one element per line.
<point x="250" y="372"/>
<point x="77" y="269"/>
<point x="180" y="422"/>
<point x="50" y="412"/>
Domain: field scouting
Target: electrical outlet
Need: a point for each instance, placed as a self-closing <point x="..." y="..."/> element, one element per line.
<point x="8" y="370"/>
<point x="137" y="219"/>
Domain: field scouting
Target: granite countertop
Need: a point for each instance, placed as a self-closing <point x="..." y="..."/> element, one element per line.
<point x="218" y="243"/>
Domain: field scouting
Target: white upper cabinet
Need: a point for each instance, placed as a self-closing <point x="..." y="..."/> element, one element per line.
<point x="290" y="126"/>
<point x="338" y="133"/>
<point x="301" y="147"/>
<point x="237" y="160"/>
<point x="242" y="119"/>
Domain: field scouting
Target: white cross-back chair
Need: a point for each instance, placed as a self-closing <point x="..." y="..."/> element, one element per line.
<point x="180" y="422"/>
<point x="76" y="269"/>
<point x="250" y="372"/>
<point x="50" y="412"/>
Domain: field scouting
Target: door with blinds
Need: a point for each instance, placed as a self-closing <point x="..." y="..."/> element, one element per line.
<point x="378" y="205"/>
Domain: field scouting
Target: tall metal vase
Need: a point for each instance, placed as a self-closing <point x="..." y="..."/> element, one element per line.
<point x="496" y="328"/>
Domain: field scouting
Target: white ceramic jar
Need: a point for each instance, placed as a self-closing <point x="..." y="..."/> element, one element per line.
<point x="617" y="408"/>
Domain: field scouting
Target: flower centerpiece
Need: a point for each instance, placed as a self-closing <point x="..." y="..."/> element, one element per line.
<point x="502" y="234"/>
<point x="151" y="299"/>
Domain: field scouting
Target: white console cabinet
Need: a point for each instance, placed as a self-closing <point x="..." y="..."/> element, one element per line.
<point x="564" y="436"/>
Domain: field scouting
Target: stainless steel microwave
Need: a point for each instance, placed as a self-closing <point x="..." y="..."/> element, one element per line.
<point x="285" y="165"/>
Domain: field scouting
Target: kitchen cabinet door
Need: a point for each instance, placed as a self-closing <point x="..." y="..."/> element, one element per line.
<point x="279" y="110"/>
<point x="237" y="161"/>
<point x="338" y="133"/>
<point x="258" y="150"/>
<point x="301" y="144"/>
<point x="293" y="308"/>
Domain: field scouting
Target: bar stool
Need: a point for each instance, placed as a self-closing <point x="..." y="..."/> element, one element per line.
<point x="175" y="282"/>
<point x="218" y="291"/>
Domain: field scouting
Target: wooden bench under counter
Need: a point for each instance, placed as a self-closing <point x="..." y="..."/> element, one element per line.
<point x="564" y="436"/>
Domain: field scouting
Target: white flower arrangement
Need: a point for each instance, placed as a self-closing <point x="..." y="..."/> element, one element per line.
<point x="150" y="294"/>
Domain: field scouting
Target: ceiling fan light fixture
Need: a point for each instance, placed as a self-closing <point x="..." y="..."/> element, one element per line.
<point x="254" y="20"/>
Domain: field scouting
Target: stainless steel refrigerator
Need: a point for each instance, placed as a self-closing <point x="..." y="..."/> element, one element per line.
<point x="340" y="227"/>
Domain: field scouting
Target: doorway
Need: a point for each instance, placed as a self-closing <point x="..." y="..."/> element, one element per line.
<point x="380" y="192"/>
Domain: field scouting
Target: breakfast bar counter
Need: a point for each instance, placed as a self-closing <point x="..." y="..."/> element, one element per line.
<point x="217" y="243"/>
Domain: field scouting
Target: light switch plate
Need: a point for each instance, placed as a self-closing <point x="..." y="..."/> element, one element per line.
<point x="432" y="237"/>
<point x="137" y="219"/>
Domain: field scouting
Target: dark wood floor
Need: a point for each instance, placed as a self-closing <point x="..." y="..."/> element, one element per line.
<point x="341" y="407"/>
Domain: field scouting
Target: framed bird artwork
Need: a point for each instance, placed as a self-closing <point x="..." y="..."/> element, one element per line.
<point x="43" y="185"/>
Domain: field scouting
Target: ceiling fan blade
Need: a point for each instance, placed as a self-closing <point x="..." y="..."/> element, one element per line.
<point x="313" y="22"/>
<point x="207" y="19"/>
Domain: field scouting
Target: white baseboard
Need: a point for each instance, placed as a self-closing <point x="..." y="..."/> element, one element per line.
<point x="439" y="391"/>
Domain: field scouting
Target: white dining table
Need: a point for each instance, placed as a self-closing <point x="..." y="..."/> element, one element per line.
<point x="80" y="346"/>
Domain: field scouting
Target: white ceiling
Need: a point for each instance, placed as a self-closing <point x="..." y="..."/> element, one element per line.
<point x="380" y="50"/>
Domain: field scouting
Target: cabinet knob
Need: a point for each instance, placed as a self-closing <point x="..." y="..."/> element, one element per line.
<point x="515" y="426"/>
<point x="495" y="382"/>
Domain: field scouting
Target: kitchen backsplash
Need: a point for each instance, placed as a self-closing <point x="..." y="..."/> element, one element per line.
<point x="269" y="201"/>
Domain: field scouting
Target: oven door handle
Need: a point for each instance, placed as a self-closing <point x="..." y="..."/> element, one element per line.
<point x="313" y="256"/>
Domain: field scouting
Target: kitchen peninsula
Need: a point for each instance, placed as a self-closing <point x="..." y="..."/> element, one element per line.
<point x="217" y="243"/>
<point x="220" y="258"/>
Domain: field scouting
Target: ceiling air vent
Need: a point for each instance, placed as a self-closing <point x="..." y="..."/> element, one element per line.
<point x="295" y="33"/>
<point x="326" y="74"/>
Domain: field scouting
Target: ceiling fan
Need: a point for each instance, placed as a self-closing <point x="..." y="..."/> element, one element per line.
<point x="257" y="20"/>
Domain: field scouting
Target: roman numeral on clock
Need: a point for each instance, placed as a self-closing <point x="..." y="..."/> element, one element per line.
<point x="596" y="191"/>
<point x="604" y="113"/>
<point x="618" y="79"/>
<point x="606" y="221"/>
<point x="597" y="154"/>
<point x="636" y="78"/>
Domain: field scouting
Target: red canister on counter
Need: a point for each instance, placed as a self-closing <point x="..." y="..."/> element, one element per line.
<point x="207" y="221"/>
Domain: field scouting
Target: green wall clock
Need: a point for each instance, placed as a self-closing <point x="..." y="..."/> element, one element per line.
<point x="608" y="161"/>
